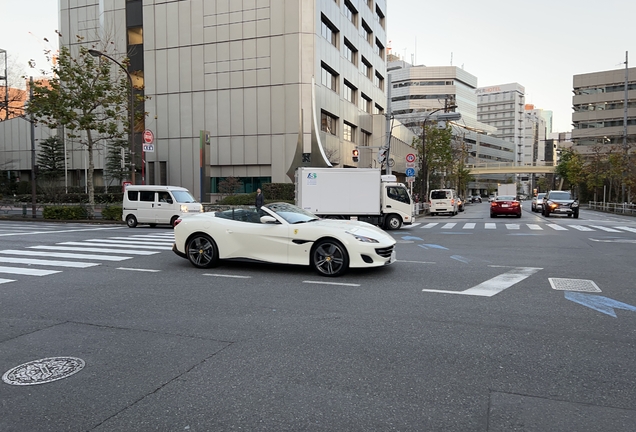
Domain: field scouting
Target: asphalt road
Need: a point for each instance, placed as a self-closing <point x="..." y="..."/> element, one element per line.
<point x="523" y="325"/>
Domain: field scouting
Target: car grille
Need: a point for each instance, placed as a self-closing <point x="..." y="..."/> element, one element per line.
<point x="385" y="252"/>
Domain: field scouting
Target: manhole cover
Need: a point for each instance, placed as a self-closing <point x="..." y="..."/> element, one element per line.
<point x="574" y="285"/>
<point x="43" y="371"/>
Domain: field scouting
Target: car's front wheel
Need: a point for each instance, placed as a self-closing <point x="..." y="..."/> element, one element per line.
<point x="131" y="221"/>
<point x="201" y="251"/>
<point x="329" y="258"/>
<point x="576" y="215"/>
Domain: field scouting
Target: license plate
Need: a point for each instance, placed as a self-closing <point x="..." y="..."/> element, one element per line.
<point x="504" y="205"/>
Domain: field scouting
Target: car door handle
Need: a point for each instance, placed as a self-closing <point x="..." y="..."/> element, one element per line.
<point x="388" y="206"/>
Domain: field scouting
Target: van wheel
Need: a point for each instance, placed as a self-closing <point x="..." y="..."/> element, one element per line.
<point x="393" y="222"/>
<point x="173" y="220"/>
<point x="131" y="221"/>
<point x="202" y="251"/>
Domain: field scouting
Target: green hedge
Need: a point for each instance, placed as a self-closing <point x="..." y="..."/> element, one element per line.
<point x="64" y="212"/>
<point x="112" y="212"/>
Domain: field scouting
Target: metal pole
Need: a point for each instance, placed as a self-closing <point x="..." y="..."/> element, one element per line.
<point x="625" y="149"/>
<point x="389" y="126"/>
<point x="96" y="53"/>
<point x="33" y="188"/>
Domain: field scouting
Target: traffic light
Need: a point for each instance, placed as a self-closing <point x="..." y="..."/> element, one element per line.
<point x="355" y="154"/>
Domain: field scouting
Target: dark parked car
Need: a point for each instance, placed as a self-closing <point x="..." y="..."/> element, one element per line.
<point x="475" y="199"/>
<point x="505" y="205"/>
<point x="560" y="202"/>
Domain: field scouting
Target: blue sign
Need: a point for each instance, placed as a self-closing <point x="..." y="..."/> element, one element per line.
<point x="410" y="172"/>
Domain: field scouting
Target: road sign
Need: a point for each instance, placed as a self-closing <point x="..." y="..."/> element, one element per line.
<point x="148" y="137"/>
<point x="410" y="172"/>
<point x="410" y="157"/>
<point x="149" y="148"/>
<point x="410" y="179"/>
<point x="410" y="164"/>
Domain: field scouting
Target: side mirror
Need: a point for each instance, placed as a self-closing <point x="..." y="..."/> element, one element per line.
<point x="268" y="219"/>
<point x="169" y="200"/>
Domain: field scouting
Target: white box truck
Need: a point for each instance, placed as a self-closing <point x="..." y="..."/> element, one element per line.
<point x="507" y="189"/>
<point x="348" y="193"/>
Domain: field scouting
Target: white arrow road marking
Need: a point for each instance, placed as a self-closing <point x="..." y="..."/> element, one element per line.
<point x="497" y="284"/>
<point x="331" y="283"/>
<point x="6" y="280"/>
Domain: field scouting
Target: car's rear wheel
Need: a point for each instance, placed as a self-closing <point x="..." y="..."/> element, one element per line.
<point x="201" y="251"/>
<point x="329" y="258"/>
<point x="131" y="221"/>
<point x="173" y="220"/>
<point x="492" y="215"/>
<point x="519" y="215"/>
<point x="393" y="222"/>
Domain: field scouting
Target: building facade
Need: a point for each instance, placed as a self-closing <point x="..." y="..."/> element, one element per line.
<point x="240" y="88"/>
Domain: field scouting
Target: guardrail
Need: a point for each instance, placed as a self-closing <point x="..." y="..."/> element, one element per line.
<point x="618" y="208"/>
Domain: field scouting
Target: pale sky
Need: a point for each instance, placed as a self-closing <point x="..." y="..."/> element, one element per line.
<point x="539" y="44"/>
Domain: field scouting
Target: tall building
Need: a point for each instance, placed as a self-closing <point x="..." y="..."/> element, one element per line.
<point x="503" y="106"/>
<point x="247" y="89"/>
<point x="599" y="104"/>
<point x="534" y="136"/>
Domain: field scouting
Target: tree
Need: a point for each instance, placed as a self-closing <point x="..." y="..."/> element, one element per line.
<point x="82" y="96"/>
<point x="571" y="168"/>
<point x="51" y="159"/>
<point x="117" y="161"/>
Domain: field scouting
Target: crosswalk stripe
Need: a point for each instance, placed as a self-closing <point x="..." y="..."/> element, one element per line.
<point x="469" y="226"/>
<point x="64" y="255"/>
<point x="491" y="225"/>
<point x="580" y="227"/>
<point x="110" y="245"/>
<point x="449" y="225"/>
<point x="27" y="271"/>
<point x="535" y="227"/>
<point x="52" y="263"/>
<point x="80" y="249"/>
<point x="136" y="245"/>
<point x="6" y="280"/>
<point x="513" y="226"/>
<point x="430" y="225"/>
<point x="136" y="240"/>
<point x="557" y="227"/>
<point x="602" y="228"/>
<point x="627" y="228"/>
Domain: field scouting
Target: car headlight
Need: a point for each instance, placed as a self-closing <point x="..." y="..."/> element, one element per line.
<point x="184" y="208"/>
<point x="575" y="204"/>
<point x="363" y="239"/>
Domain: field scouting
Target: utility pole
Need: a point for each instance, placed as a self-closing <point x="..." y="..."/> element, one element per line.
<point x="625" y="148"/>
<point x="389" y="126"/>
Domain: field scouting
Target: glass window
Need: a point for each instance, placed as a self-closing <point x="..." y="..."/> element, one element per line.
<point x="329" y="78"/>
<point x="379" y="16"/>
<point x="365" y="103"/>
<point x="133" y="195"/>
<point x="328" y="123"/>
<point x="378" y="80"/>
<point x="329" y="31"/>
<point x="365" y="32"/>
<point x="351" y="13"/>
<point x="377" y="109"/>
<point x="379" y="48"/>
<point x="349" y="92"/>
<point x="148" y="196"/>
<point x="350" y="52"/>
<point x="135" y="36"/>
<point x="367" y="69"/>
<point x="365" y="138"/>
<point x="348" y="132"/>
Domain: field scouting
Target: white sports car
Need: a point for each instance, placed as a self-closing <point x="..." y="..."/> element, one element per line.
<point x="285" y="234"/>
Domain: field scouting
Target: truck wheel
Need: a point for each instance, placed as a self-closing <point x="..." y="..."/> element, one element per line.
<point x="131" y="221"/>
<point x="393" y="222"/>
<point x="329" y="258"/>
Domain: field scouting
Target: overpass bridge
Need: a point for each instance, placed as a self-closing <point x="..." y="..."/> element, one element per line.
<point x="511" y="168"/>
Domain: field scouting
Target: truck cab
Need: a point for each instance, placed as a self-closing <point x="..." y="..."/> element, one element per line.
<point x="397" y="203"/>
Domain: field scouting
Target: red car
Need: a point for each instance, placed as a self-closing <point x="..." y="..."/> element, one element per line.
<point x="506" y="205"/>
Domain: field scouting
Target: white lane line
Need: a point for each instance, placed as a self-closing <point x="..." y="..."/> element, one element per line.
<point x="27" y="271"/>
<point x="469" y="226"/>
<point x="557" y="227"/>
<point x="57" y="232"/>
<point x="110" y="245"/>
<point x="490" y="225"/>
<point x="227" y="276"/>
<point x="534" y="227"/>
<point x="138" y="269"/>
<point x="449" y="226"/>
<point x="580" y="227"/>
<point x="331" y="283"/>
<point x="495" y="285"/>
<point x="626" y="228"/>
<point x="415" y="262"/>
<point x="151" y="237"/>
<point x="602" y="228"/>
<point x="122" y="240"/>
<point x="430" y="225"/>
<point x="65" y="255"/>
<point x="2" y="281"/>
<point x="52" y="263"/>
<point x="80" y="249"/>
<point x="513" y="226"/>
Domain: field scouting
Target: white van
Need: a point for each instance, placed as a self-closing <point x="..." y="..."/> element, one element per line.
<point x="443" y="201"/>
<point x="157" y="205"/>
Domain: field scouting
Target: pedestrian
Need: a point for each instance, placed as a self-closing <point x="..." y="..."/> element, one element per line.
<point x="259" y="198"/>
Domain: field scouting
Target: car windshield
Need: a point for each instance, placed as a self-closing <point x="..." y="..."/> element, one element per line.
<point x="183" y="196"/>
<point x="506" y="198"/>
<point x="291" y="213"/>
<point x="560" y="195"/>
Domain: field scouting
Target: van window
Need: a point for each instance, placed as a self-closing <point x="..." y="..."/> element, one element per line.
<point x="133" y="195"/>
<point x="148" y="196"/>
<point x="438" y="194"/>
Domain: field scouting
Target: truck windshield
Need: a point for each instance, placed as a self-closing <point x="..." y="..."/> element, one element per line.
<point x="398" y="193"/>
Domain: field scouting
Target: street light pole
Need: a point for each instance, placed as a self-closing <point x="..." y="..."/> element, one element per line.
<point x="131" y="144"/>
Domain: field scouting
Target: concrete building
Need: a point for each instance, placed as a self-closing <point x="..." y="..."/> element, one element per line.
<point x="236" y="88"/>
<point x="599" y="109"/>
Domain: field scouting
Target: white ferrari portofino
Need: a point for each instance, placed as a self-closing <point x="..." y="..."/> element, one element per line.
<point x="285" y="234"/>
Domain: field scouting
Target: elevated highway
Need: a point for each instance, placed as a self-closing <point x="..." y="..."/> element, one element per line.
<point x="510" y="168"/>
